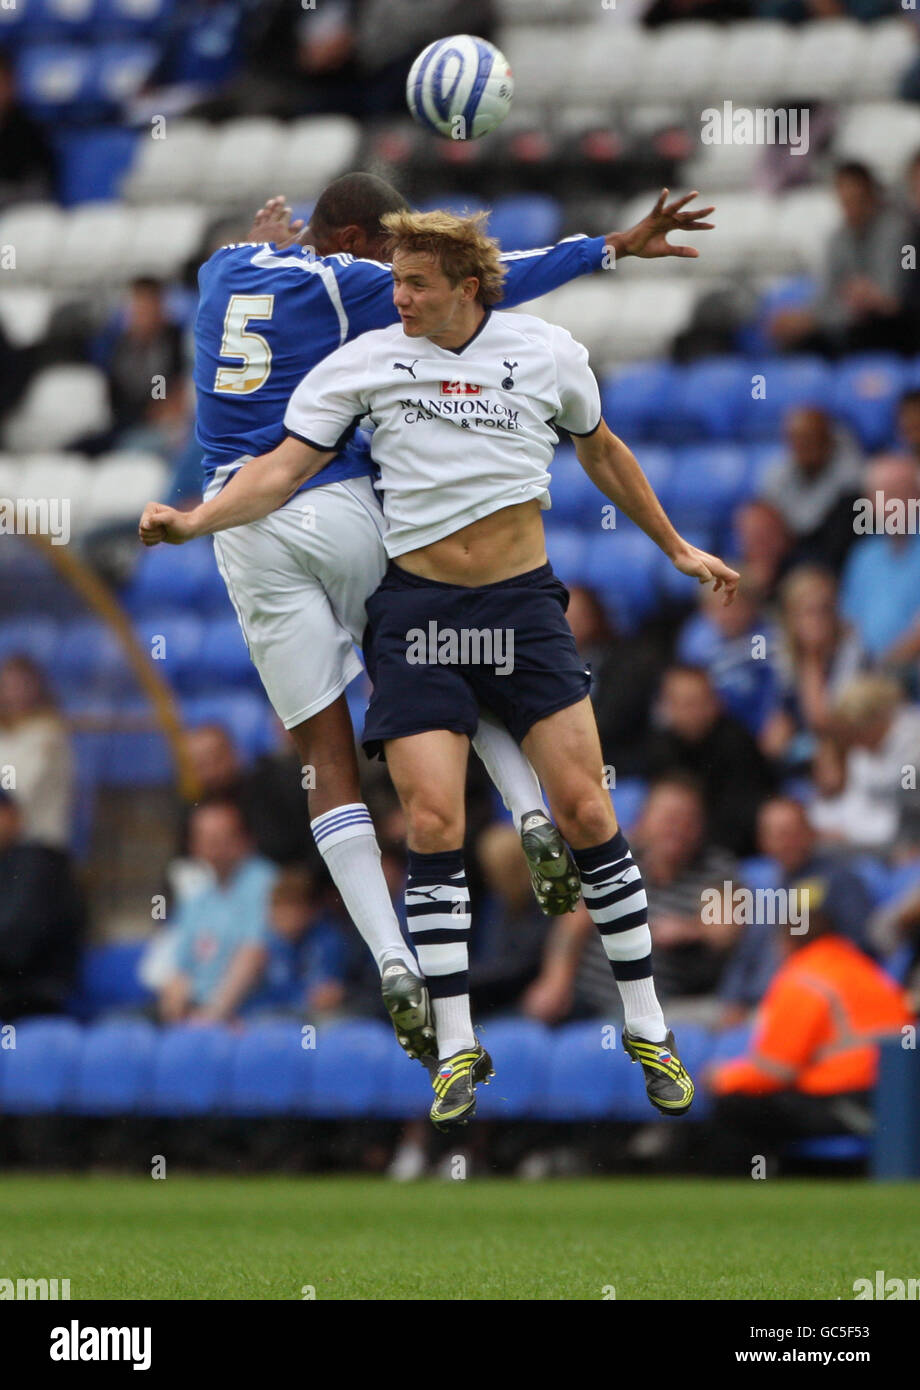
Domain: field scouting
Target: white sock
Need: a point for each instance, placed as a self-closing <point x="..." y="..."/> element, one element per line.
<point x="453" y="1024"/>
<point x="503" y="760"/>
<point x="346" y="840"/>
<point x="642" y="1011"/>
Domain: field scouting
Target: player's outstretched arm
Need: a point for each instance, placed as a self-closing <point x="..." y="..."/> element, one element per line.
<point x="648" y="239"/>
<point x="613" y="468"/>
<point x="258" y="488"/>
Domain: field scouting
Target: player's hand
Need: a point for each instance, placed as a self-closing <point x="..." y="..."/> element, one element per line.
<point x="648" y="239"/>
<point x="160" y="523"/>
<point x="273" y="223"/>
<point x="708" y="569"/>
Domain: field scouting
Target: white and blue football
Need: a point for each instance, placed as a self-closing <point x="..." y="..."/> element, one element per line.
<point x="460" y="87"/>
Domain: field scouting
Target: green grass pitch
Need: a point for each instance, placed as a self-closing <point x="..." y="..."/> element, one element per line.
<point x="201" y="1237"/>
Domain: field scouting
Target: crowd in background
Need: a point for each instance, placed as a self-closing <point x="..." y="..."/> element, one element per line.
<point x="769" y="744"/>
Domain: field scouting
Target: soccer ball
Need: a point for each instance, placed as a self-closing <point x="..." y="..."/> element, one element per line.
<point x="460" y="87"/>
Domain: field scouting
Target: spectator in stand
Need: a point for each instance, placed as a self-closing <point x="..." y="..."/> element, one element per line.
<point x="909" y="423"/>
<point x="689" y="947"/>
<point x="627" y="671"/>
<point x="860" y="306"/>
<point x="509" y="931"/>
<point x="786" y="836"/>
<point x="35" y="745"/>
<point x="880" y="585"/>
<point x="695" y="735"/>
<point x="764" y="545"/>
<point x="737" y="645"/>
<point x="815" y="485"/>
<point x="878" y="734"/>
<point x="306" y="952"/>
<point x="812" y="1062"/>
<point x="270" y="792"/>
<point x="27" y="169"/>
<point x="143" y="344"/>
<point x="818" y="654"/>
<point x="42" y="921"/>
<point x="222" y="929"/>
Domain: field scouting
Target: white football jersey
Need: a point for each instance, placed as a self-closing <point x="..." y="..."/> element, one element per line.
<point x="457" y="433"/>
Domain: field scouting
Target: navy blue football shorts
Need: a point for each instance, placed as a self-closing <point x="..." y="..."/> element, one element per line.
<point x="437" y="652"/>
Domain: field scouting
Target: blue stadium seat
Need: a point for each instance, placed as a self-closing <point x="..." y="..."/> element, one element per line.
<point x="576" y="500"/>
<point x="347" y="1068"/>
<point x="92" y="163"/>
<point x="248" y="718"/>
<point x="118" y="72"/>
<point x="761" y="458"/>
<point x="270" y="1070"/>
<point x="191" y="1071"/>
<point x="108" y="979"/>
<point x="132" y="18"/>
<point x="629" y="796"/>
<point x="638" y="401"/>
<point x="657" y="463"/>
<point x="519" y="1048"/>
<point x="866" y="392"/>
<point x="796" y="293"/>
<point x="759" y="871"/>
<point x="38" y="1075"/>
<point x="115" y="1068"/>
<point x="173" y="638"/>
<point x="788" y="382"/>
<point x="405" y="1090"/>
<point x="522" y="221"/>
<point x="733" y="1042"/>
<point x="706" y="484"/>
<point x="585" y="1079"/>
<point x="60" y="20"/>
<point x="565" y="550"/>
<point x="90" y="657"/>
<point x="832" y="1148"/>
<point x="34" y="636"/>
<point x="54" y="80"/>
<point x="223" y="659"/>
<point x="623" y="567"/>
<point x="710" y="398"/>
<point x="169" y="575"/>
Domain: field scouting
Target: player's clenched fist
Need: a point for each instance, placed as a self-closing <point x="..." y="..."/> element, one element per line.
<point x="162" y="523"/>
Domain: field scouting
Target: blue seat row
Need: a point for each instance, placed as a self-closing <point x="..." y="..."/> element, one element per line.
<point x="58" y="21"/>
<point x="734" y="398"/>
<point x="351" y="1068"/>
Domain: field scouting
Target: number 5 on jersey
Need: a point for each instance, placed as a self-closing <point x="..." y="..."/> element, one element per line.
<point x="252" y="347"/>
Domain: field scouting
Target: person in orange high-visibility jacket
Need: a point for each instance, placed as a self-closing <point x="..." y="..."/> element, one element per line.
<point x="813" y="1056"/>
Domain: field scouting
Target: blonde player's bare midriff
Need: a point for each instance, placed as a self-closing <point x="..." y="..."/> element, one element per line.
<point x="498" y="546"/>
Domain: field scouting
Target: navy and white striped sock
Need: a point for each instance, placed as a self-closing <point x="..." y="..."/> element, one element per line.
<point x="345" y="838"/>
<point x="438" y="917"/>
<point x="615" y="897"/>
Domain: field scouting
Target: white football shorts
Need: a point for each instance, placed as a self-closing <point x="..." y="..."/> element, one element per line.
<point x="299" y="580"/>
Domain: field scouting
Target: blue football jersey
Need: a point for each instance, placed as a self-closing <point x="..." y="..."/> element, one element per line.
<point x="267" y="317"/>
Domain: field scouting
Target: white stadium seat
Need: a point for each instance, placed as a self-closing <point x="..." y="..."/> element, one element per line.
<point x="618" y="320"/>
<point x="311" y="153"/>
<point x="803" y="220"/>
<point x="25" y="311"/>
<point x="883" y="134"/>
<point x="60" y="405"/>
<point x="610" y="62"/>
<point x="752" y="58"/>
<point x="888" y="49"/>
<point x="64" y="476"/>
<point x="825" y="60"/>
<point x="721" y="166"/>
<point x="10" y="469"/>
<point x="32" y="230"/>
<point x="92" y="246"/>
<point x="243" y="157"/>
<point x="122" y="484"/>
<point x="163" y="238"/>
<point x="173" y="167"/>
<point x="542" y="67"/>
<point x="682" y="62"/>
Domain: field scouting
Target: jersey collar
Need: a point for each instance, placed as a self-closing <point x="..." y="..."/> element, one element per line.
<point x="463" y="346"/>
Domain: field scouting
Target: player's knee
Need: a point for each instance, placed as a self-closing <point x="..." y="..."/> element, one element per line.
<point x="433" y="827"/>
<point x="585" y="816"/>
